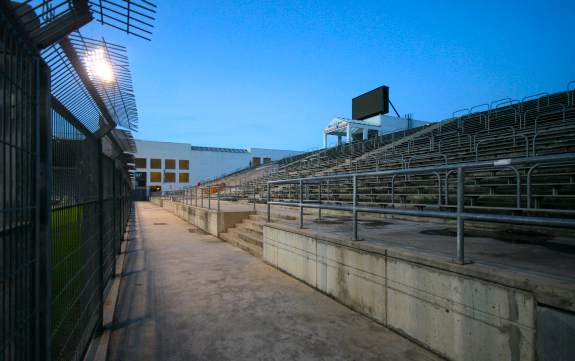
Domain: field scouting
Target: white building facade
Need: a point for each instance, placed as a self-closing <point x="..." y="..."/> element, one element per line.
<point x="164" y="166"/>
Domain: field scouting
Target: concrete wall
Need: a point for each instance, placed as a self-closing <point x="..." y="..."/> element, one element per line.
<point x="555" y="334"/>
<point x="457" y="316"/>
<point x="208" y="220"/>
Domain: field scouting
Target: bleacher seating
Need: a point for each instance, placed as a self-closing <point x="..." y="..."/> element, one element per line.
<point x="540" y="125"/>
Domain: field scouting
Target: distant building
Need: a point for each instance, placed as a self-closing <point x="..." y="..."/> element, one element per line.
<point x="367" y="128"/>
<point x="169" y="166"/>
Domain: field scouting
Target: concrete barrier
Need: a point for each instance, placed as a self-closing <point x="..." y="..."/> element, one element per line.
<point x="459" y="317"/>
<point x="208" y="220"/>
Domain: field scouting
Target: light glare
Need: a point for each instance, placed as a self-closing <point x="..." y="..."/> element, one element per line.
<point x="98" y="66"/>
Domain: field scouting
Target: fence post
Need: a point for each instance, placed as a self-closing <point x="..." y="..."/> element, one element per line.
<point x="210" y="196"/>
<point x="354" y="206"/>
<point x="101" y="230"/>
<point x="254" y="197"/>
<point x="460" y="220"/>
<point x="218" y="199"/>
<point x="196" y="195"/>
<point x="268" y="202"/>
<point x="114" y="215"/>
<point x="43" y="176"/>
<point x="319" y="200"/>
<point x="301" y="203"/>
<point x="202" y="197"/>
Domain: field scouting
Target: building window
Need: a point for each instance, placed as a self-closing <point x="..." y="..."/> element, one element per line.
<point x="140" y="178"/>
<point x="267" y="160"/>
<point x="170" y="164"/>
<point x="156" y="163"/>
<point x="184" y="177"/>
<point x="140" y="163"/>
<point x="184" y="164"/>
<point x="169" y="177"/>
<point x="156" y="177"/>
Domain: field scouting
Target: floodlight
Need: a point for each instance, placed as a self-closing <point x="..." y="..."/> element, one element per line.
<point x="98" y="66"/>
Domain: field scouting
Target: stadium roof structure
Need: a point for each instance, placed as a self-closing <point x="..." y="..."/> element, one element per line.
<point x="215" y="149"/>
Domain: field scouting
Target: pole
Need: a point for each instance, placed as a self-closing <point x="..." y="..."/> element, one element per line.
<point x="218" y="199"/>
<point x="301" y="204"/>
<point x="254" y="197"/>
<point x="319" y="200"/>
<point x="460" y="221"/>
<point x="268" y="203"/>
<point x="210" y="196"/>
<point x="354" y="208"/>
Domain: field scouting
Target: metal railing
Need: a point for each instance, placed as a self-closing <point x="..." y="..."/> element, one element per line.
<point x="460" y="215"/>
<point x="210" y="196"/>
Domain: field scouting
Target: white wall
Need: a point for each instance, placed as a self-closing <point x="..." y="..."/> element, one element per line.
<point x="204" y="164"/>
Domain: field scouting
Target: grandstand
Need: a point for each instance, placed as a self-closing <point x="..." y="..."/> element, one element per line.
<point x="458" y="234"/>
<point x="535" y="126"/>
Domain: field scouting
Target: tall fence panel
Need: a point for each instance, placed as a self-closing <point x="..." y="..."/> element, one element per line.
<point x="64" y="206"/>
<point x="20" y="257"/>
<point x="76" y="258"/>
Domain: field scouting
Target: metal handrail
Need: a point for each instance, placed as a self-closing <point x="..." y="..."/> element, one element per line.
<point x="562" y="109"/>
<point x="537" y="96"/>
<point x="460" y="215"/>
<point x="514" y="135"/>
<point x="548" y="130"/>
<point x="500" y="102"/>
<point x="530" y="172"/>
<point x="570" y="93"/>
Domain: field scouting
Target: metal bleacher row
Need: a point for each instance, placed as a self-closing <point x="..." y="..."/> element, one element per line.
<point x="539" y="125"/>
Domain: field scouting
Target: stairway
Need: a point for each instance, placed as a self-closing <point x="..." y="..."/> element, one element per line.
<point x="248" y="234"/>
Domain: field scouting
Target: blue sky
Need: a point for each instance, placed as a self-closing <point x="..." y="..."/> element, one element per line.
<point x="273" y="73"/>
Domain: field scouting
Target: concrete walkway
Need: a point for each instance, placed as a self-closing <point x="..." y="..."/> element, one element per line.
<point x="185" y="295"/>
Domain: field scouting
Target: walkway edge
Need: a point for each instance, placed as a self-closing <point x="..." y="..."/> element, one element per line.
<point x="98" y="349"/>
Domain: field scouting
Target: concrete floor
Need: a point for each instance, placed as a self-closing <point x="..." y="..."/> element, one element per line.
<point x="185" y="295"/>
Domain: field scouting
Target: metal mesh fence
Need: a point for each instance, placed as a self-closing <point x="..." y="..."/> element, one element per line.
<point x="18" y="253"/>
<point x="75" y="242"/>
<point x="65" y="205"/>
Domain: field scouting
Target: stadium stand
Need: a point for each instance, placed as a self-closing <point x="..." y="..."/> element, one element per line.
<point x="538" y="125"/>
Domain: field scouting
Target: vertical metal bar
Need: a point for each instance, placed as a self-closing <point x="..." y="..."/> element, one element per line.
<point x="301" y="204"/>
<point x="218" y="199"/>
<point x="254" y="197"/>
<point x="202" y="197"/>
<point x="101" y="232"/>
<point x="196" y="195"/>
<point x="268" y="202"/>
<point x="354" y="208"/>
<point x="460" y="220"/>
<point x="114" y="215"/>
<point x="319" y="200"/>
<point x="43" y="175"/>
<point x="210" y="196"/>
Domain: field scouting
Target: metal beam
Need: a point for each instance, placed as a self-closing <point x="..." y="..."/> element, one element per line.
<point x="63" y="25"/>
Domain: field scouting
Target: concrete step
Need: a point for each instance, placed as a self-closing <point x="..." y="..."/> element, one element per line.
<point x="256" y="226"/>
<point x="233" y="239"/>
<point x="254" y="230"/>
<point x="247" y="235"/>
